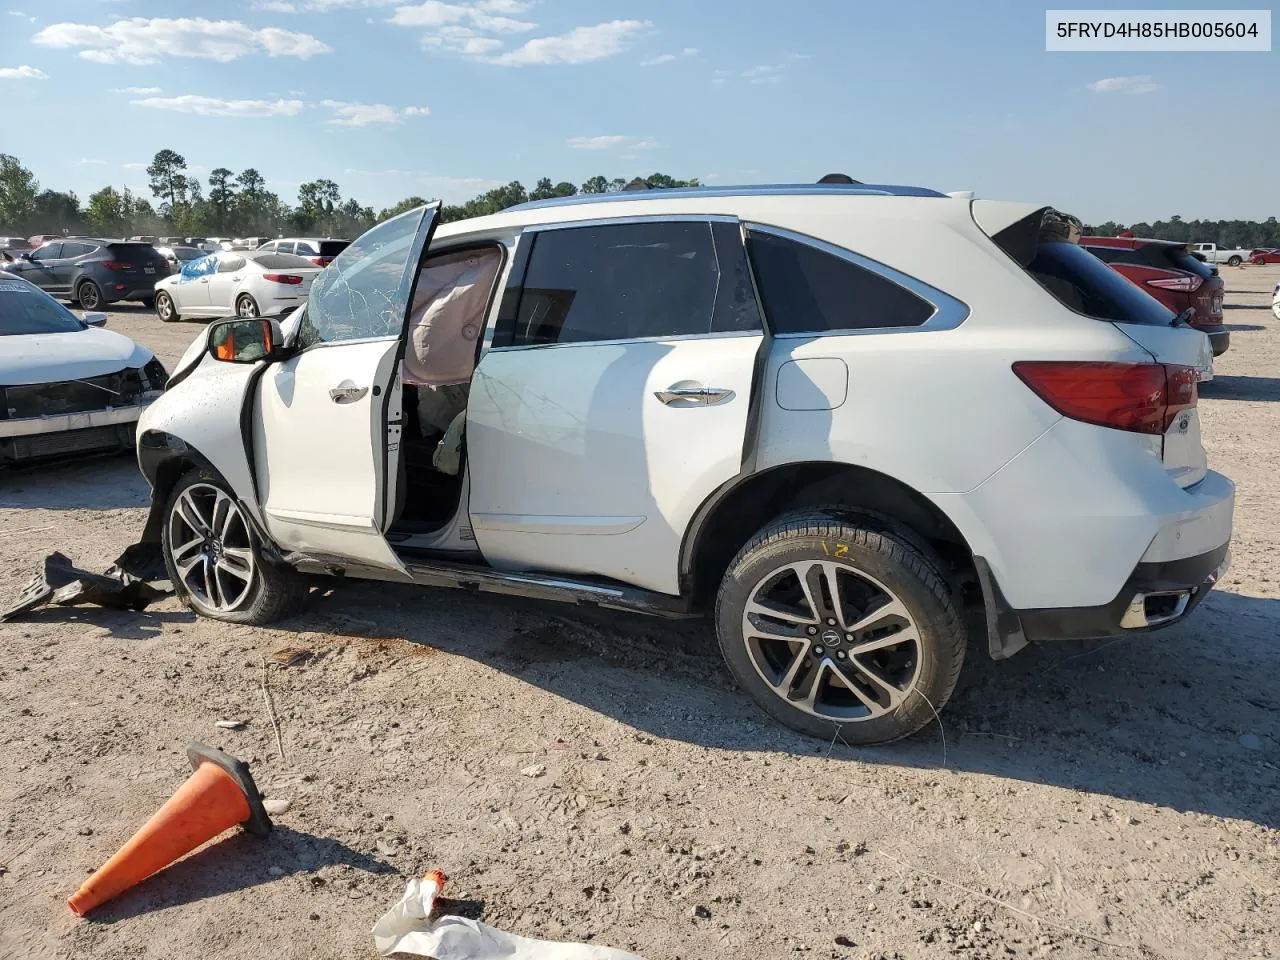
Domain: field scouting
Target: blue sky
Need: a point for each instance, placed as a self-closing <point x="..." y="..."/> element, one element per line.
<point x="445" y="99"/>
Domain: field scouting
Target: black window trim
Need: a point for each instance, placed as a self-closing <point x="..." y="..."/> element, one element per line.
<point x="525" y="242"/>
<point x="948" y="311"/>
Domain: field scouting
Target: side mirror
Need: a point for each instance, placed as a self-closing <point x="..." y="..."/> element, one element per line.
<point x="246" y="341"/>
<point x="94" y="319"/>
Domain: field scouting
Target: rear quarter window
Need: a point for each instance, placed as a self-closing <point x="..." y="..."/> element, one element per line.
<point x="331" y="248"/>
<point x="806" y="290"/>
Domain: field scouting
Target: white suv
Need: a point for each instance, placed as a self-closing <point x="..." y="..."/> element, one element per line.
<point x="843" y="420"/>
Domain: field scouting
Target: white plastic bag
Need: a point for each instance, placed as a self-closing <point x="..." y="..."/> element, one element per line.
<point x="405" y="929"/>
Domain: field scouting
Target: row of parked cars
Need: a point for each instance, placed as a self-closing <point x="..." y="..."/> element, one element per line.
<point x="94" y="272"/>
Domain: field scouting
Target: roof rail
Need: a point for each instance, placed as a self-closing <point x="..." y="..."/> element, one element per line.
<point x="756" y="190"/>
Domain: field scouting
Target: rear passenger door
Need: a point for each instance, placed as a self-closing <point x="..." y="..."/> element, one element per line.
<point x="615" y="398"/>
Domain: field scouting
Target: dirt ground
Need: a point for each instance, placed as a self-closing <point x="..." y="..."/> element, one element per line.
<point x="1104" y="798"/>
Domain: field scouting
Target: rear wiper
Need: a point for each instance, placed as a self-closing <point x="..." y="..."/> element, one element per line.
<point x="1184" y="318"/>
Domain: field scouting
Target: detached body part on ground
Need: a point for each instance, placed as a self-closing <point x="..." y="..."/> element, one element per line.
<point x="833" y="416"/>
<point x="66" y="386"/>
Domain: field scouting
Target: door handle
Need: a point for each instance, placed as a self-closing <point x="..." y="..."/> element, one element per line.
<point x="347" y="393"/>
<point x="694" y="396"/>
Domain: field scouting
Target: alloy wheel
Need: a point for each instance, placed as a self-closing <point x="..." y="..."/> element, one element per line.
<point x="831" y="640"/>
<point x="89" y="297"/>
<point x="211" y="548"/>
<point x="164" y="306"/>
<point x="246" y="308"/>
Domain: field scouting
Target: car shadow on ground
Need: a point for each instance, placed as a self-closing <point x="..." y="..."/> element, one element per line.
<point x="107" y="482"/>
<point x="1243" y="327"/>
<point x="119" y="624"/>
<point x="1179" y="718"/>
<point x="236" y="863"/>
<point x="1241" y="388"/>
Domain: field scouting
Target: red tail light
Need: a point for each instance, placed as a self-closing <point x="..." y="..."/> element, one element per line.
<point x="114" y="265"/>
<point x="1188" y="284"/>
<point x="1141" y="397"/>
<point x="288" y="278"/>
<point x="321" y="261"/>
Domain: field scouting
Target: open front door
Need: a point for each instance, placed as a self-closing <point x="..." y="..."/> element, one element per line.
<point x="326" y="422"/>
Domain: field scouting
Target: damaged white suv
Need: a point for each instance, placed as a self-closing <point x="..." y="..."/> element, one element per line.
<point x="831" y="417"/>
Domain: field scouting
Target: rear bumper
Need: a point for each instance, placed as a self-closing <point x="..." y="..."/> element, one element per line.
<point x="1156" y="595"/>
<point x="133" y="289"/>
<point x="1219" y="338"/>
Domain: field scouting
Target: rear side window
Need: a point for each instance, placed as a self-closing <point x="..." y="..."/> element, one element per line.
<point x="331" y="248"/>
<point x="230" y="264"/>
<point x="630" y="281"/>
<point x="77" y="249"/>
<point x="807" y="290"/>
<point x="1180" y="259"/>
<point x="304" y="249"/>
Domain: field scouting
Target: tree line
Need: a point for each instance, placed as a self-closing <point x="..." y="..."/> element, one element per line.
<point x="238" y="204"/>
<point x="1225" y="233"/>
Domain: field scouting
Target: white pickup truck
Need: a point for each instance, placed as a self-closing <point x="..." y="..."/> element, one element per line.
<point x="1216" y="254"/>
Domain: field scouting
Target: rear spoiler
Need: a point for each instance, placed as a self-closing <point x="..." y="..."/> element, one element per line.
<point x="1018" y="228"/>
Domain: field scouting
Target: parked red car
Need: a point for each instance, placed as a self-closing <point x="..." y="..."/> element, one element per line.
<point x="1169" y="272"/>
<point x="1266" y="256"/>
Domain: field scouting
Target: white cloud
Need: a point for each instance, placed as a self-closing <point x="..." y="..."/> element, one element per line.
<point x="579" y="45"/>
<point x="85" y="162"/>
<point x="1139" y="84"/>
<point x="138" y="91"/>
<point x="23" y="72"/>
<point x="215" y="107"/>
<point x="142" y="40"/>
<point x="612" y="142"/>
<point x="135" y="166"/>
<point x="363" y="114"/>
<point x="669" y="57"/>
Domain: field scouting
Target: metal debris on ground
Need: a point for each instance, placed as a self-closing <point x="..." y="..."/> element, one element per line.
<point x="136" y="580"/>
<point x="407" y="928"/>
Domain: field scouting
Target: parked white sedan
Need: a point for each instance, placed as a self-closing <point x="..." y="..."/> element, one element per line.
<point x="65" y="386"/>
<point x="244" y="283"/>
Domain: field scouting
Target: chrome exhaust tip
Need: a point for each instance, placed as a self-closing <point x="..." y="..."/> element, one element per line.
<point x="1148" y="610"/>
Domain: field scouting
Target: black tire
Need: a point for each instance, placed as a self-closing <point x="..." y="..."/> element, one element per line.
<point x="275" y="590"/>
<point x="166" y="309"/>
<point x="246" y="306"/>
<point x="148" y="302"/>
<point x="870" y="557"/>
<point x="1234" y="261"/>
<point x="89" y="296"/>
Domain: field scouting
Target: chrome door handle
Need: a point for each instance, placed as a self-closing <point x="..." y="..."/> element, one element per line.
<point x="694" y="396"/>
<point x="347" y="393"/>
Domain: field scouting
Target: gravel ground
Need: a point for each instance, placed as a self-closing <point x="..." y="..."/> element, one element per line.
<point x="594" y="776"/>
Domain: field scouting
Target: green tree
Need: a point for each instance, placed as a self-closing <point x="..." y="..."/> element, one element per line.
<point x="18" y="192"/>
<point x="56" y="212"/>
<point x="404" y="206"/>
<point x="595" y="185"/>
<point x="222" y="198"/>
<point x="257" y="209"/>
<point x="546" y="190"/>
<point x="110" y="212"/>
<point x="317" y="200"/>
<point x="169" y="181"/>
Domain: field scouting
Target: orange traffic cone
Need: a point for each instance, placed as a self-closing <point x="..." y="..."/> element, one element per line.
<point x="219" y="794"/>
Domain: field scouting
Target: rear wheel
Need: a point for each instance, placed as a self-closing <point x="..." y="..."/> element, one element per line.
<point x="215" y="559"/>
<point x="1234" y="261"/>
<point x="89" y="296"/>
<point x="165" y="308"/>
<point x="246" y="306"/>
<point x="840" y="625"/>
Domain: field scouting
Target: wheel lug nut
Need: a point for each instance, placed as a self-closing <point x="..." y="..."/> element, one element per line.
<point x="849" y="637"/>
<point x="818" y="651"/>
<point x="839" y="654"/>
<point x="830" y="622"/>
<point x="812" y="631"/>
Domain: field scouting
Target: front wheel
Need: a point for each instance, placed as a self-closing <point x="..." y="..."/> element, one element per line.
<point x="1234" y="261"/>
<point x="215" y="560"/>
<point x="840" y="626"/>
<point x="165" y="308"/>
